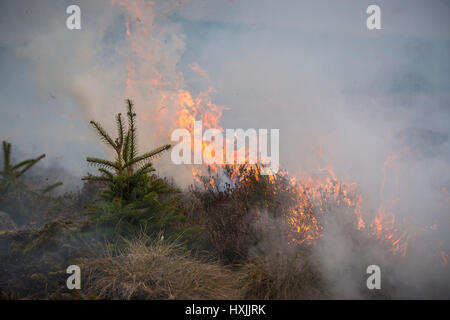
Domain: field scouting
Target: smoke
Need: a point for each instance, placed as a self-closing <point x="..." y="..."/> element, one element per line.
<point x="372" y="104"/>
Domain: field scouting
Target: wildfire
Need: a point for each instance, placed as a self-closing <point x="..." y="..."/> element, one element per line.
<point x="312" y="197"/>
<point x="385" y="229"/>
<point x="444" y="258"/>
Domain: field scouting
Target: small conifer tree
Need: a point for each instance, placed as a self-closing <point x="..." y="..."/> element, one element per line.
<point x="133" y="197"/>
<point x="9" y="176"/>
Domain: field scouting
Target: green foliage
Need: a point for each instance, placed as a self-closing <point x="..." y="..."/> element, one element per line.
<point x="9" y="176"/>
<point x="133" y="198"/>
<point x="127" y="175"/>
<point x="157" y="209"/>
<point x="25" y="204"/>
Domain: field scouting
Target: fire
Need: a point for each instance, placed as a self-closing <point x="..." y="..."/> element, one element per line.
<point x="313" y="197"/>
<point x="384" y="227"/>
<point x="444" y="258"/>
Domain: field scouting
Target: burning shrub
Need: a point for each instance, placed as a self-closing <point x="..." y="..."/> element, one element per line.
<point x="155" y="269"/>
<point x="232" y="210"/>
<point x="249" y="207"/>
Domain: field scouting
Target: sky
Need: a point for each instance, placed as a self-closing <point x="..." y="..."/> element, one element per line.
<point x="341" y="94"/>
<point x="301" y="59"/>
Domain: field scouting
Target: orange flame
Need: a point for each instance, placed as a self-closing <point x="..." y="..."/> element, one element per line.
<point x="178" y="108"/>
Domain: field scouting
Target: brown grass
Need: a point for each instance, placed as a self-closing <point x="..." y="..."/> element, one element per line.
<point x="282" y="276"/>
<point x="156" y="269"/>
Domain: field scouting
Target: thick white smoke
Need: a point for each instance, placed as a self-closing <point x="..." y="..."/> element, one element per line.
<point x="372" y="105"/>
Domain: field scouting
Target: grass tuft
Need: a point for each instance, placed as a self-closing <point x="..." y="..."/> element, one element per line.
<point x="157" y="269"/>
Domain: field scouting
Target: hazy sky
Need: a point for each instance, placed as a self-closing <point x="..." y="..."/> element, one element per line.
<point x="310" y="68"/>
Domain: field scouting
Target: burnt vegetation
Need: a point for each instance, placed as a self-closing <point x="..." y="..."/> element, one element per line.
<point x="137" y="236"/>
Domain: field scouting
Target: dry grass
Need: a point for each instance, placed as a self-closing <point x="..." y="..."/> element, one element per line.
<point x="281" y="275"/>
<point x="155" y="269"/>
